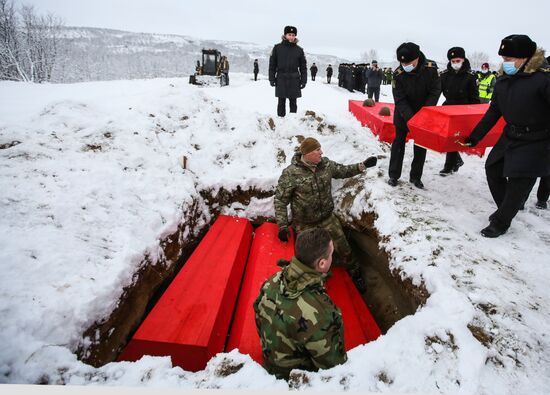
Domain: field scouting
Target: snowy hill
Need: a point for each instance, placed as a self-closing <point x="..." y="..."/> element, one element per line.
<point x="91" y="189"/>
<point x="90" y="54"/>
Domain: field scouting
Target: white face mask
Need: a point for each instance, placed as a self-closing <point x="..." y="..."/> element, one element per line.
<point x="456" y="66"/>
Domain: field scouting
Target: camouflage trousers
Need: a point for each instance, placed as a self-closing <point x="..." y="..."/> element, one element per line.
<point x="344" y="256"/>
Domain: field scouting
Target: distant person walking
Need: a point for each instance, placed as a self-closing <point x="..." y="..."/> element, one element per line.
<point x="288" y="71"/>
<point x="313" y="69"/>
<point x="256" y="69"/>
<point x="329" y="73"/>
<point x="374" y="80"/>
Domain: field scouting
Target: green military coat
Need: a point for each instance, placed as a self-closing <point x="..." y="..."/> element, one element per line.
<point x="308" y="192"/>
<point x="298" y="324"/>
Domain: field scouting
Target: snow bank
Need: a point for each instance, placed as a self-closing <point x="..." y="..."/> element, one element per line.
<point x="93" y="180"/>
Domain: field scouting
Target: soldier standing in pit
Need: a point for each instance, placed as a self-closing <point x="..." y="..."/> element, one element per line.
<point x="522" y="98"/>
<point x="313" y="69"/>
<point x="288" y="70"/>
<point x="329" y="73"/>
<point x="459" y="86"/>
<point x="299" y="325"/>
<point x="415" y="84"/>
<point x="256" y="69"/>
<point x="374" y="79"/>
<point x="486" y="81"/>
<point x="306" y="186"/>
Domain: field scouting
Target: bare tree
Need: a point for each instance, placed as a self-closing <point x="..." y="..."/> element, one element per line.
<point x="369" y="56"/>
<point x="29" y="43"/>
<point x="477" y="59"/>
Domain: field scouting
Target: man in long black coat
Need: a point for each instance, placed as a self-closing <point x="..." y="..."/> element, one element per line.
<point x="313" y="69"/>
<point x="288" y="70"/>
<point x="329" y="73"/>
<point x="522" y="98"/>
<point x="459" y="86"/>
<point x="415" y="84"/>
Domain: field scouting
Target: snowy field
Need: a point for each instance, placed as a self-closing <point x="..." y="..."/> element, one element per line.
<point x="93" y="181"/>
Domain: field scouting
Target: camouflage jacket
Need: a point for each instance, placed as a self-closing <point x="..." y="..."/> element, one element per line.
<point x="298" y="324"/>
<point x="309" y="193"/>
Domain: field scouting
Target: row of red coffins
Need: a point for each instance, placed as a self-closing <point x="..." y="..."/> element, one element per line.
<point x="191" y="320"/>
<point x="438" y="128"/>
<point x="359" y="324"/>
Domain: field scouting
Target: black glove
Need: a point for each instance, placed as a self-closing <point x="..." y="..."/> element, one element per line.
<point x="272" y="83"/>
<point x="283" y="234"/>
<point x="371" y="161"/>
<point x="302" y="85"/>
<point x="470" y="141"/>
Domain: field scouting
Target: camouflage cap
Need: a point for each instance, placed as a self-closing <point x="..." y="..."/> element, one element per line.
<point x="309" y="144"/>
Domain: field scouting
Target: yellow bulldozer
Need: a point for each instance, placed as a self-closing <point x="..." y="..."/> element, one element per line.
<point x="213" y="70"/>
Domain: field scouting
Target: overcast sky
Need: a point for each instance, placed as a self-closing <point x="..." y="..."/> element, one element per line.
<point x="342" y="28"/>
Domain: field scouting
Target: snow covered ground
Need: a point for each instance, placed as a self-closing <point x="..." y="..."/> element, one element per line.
<point x="90" y="180"/>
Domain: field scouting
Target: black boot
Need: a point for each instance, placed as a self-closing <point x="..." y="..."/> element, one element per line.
<point x="392" y="181"/>
<point x="493" y="230"/>
<point x="459" y="163"/>
<point x="446" y="170"/>
<point x="417" y="183"/>
<point x="541" y="205"/>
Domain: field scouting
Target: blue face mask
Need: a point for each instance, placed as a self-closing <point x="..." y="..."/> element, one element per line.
<point x="408" y="68"/>
<point x="509" y="68"/>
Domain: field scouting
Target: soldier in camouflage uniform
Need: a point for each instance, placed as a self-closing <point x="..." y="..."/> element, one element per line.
<point x="306" y="186"/>
<point x="299" y="325"/>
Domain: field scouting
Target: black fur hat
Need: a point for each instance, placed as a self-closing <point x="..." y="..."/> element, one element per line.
<point x="407" y="52"/>
<point x="456" y="52"/>
<point x="291" y="29"/>
<point x="517" y="46"/>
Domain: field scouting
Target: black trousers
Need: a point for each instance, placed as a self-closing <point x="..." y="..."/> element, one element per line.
<point x="543" y="193"/>
<point x="398" y="152"/>
<point x="509" y="193"/>
<point x="328" y="80"/>
<point x="313" y="77"/>
<point x="375" y="91"/>
<point x="255" y="76"/>
<point x="281" y="106"/>
<point x="451" y="159"/>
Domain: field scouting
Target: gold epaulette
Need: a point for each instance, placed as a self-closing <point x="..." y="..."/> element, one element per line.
<point x="398" y="71"/>
<point x="429" y="63"/>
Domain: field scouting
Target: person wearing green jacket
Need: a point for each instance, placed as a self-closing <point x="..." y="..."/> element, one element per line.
<point x="486" y="81"/>
<point x="299" y="325"/>
<point x="306" y="186"/>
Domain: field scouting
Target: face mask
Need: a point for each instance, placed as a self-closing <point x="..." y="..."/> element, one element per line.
<point x="456" y="66"/>
<point x="408" y="68"/>
<point x="509" y="68"/>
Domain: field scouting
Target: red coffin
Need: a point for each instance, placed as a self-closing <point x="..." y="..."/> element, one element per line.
<point x="359" y="325"/>
<point x="191" y="320"/>
<point x="438" y="128"/>
<point x="381" y="126"/>
<point x="266" y="250"/>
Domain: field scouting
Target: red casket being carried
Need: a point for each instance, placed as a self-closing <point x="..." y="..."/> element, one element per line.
<point x="441" y="128"/>
<point x="381" y="125"/>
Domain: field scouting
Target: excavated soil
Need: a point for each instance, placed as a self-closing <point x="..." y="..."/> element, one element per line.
<point x="388" y="297"/>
